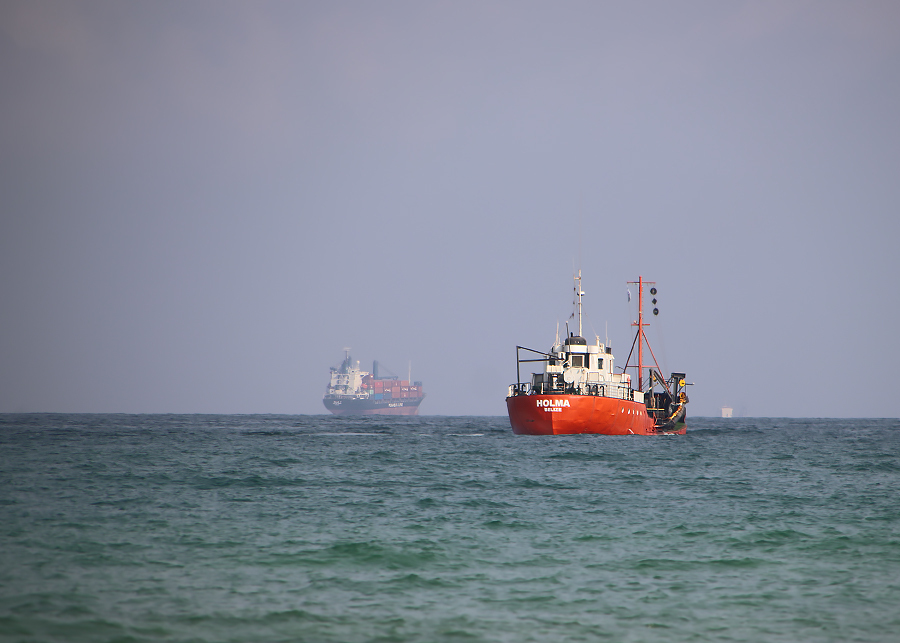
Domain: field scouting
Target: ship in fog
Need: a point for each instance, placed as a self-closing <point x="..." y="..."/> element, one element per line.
<point x="352" y="391"/>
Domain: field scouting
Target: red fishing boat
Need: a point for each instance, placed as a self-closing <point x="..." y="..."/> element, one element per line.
<point x="580" y="390"/>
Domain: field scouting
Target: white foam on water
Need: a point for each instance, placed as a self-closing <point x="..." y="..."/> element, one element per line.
<point x="345" y="433"/>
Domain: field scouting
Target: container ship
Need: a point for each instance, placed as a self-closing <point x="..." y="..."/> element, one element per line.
<point x="580" y="391"/>
<point x="354" y="392"/>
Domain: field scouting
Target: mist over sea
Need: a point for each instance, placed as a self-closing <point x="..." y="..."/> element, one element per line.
<point x="437" y="529"/>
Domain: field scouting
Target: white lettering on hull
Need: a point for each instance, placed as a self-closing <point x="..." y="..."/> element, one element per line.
<point x="553" y="403"/>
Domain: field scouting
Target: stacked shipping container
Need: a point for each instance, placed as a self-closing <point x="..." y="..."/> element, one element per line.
<point x="391" y="389"/>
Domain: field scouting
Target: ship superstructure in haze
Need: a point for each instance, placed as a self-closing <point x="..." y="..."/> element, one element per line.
<point x="579" y="390"/>
<point x="351" y="391"/>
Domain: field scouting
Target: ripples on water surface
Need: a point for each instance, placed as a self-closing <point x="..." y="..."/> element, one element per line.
<point x="439" y="529"/>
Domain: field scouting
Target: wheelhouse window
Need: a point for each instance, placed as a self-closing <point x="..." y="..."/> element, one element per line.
<point x="578" y="361"/>
<point x="600" y="363"/>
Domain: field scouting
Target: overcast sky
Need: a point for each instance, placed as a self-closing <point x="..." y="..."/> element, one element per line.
<point x="204" y="202"/>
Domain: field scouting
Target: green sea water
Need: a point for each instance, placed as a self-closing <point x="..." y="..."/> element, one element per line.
<point x="129" y="528"/>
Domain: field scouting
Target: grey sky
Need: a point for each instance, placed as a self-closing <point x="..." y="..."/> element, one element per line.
<point x="203" y="202"/>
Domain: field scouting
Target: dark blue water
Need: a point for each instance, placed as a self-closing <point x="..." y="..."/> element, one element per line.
<point x="438" y="529"/>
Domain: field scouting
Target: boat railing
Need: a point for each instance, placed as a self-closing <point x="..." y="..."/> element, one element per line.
<point x="551" y="388"/>
<point x="519" y="388"/>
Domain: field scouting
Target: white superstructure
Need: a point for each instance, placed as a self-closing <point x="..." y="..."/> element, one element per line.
<point x="348" y="379"/>
<point x="574" y="366"/>
<point x="577" y="367"/>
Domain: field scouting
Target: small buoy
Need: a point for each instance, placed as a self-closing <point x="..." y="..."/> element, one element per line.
<point x="653" y="291"/>
<point x="656" y="311"/>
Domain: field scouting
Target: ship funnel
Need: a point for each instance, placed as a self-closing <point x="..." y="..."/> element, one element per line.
<point x="375" y="369"/>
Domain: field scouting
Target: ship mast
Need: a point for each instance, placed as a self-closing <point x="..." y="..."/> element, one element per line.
<point x="640" y="337"/>
<point x="578" y="295"/>
<point x="640" y="325"/>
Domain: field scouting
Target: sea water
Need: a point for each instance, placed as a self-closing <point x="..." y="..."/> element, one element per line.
<point x="437" y="529"/>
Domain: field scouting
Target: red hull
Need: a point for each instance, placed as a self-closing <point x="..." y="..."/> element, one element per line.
<point x="574" y="414"/>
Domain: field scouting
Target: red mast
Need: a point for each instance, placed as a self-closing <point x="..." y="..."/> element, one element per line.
<point x="640" y="338"/>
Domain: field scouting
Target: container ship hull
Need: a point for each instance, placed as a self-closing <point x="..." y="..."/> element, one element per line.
<point x="354" y="406"/>
<point x="572" y="414"/>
